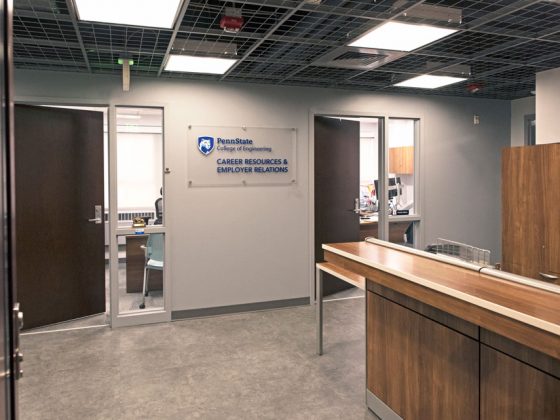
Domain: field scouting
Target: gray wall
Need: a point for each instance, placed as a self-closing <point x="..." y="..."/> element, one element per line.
<point x="520" y="108"/>
<point x="548" y="103"/>
<point x="242" y="245"/>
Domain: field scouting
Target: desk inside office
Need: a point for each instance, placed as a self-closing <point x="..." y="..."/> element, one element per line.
<point x="397" y="230"/>
<point x="135" y="262"/>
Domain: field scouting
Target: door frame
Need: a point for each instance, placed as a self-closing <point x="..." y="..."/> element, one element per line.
<point x="419" y="228"/>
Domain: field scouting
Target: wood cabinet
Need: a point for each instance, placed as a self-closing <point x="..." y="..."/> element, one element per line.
<point x="530" y="210"/>
<point x="401" y="160"/>
<point x="424" y="363"/>
<point x="513" y="390"/>
<point x="420" y="368"/>
<point x="552" y="203"/>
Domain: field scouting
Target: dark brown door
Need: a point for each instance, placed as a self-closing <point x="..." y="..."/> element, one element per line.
<point x="10" y="365"/>
<point x="59" y="181"/>
<point x="337" y="184"/>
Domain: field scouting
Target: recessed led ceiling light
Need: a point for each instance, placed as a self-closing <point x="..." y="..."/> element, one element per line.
<point x="129" y="116"/>
<point x="192" y="64"/>
<point x="399" y="36"/>
<point x="160" y="14"/>
<point x="428" y="81"/>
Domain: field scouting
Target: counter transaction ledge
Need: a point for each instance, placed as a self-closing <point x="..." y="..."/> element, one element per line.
<point x="446" y="339"/>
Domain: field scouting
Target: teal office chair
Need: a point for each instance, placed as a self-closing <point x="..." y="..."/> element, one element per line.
<point x="154" y="261"/>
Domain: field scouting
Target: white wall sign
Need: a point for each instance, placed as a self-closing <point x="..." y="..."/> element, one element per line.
<point x="241" y="156"/>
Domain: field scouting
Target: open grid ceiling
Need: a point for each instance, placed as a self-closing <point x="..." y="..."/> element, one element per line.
<point x="286" y="42"/>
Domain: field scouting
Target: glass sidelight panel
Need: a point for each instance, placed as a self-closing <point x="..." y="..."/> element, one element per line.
<point x="139" y="165"/>
<point x="401" y="165"/>
<point x="138" y="233"/>
<point x="141" y="272"/>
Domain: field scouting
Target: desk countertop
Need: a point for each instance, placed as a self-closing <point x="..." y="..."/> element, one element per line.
<point x="525" y="304"/>
<point x="373" y="219"/>
<point x="370" y="220"/>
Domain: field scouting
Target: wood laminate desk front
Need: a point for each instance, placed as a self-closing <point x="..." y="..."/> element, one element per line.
<point x="444" y="342"/>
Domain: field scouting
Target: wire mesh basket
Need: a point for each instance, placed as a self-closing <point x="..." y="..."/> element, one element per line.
<point x="462" y="251"/>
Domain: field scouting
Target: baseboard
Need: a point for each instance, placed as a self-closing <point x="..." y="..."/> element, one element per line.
<point x="245" y="307"/>
<point x="379" y="408"/>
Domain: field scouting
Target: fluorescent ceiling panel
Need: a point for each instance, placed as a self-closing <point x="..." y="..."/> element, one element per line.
<point x="192" y="64"/>
<point x="157" y="14"/>
<point x="399" y="36"/>
<point x="428" y="81"/>
<point x="129" y="116"/>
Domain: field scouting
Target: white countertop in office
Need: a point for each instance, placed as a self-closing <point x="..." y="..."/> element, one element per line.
<point x="405" y="218"/>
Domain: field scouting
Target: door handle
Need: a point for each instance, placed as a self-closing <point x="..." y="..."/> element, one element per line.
<point x="549" y="276"/>
<point x="18" y="355"/>
<point x="357" y="206"/>
<point x="98" y="213"/>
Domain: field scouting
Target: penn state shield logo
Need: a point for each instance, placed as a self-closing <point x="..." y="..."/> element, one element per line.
<point x="206" y="145"/>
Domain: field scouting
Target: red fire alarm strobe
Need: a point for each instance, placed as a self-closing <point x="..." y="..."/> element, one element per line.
<point x="474" y="87"/>
<point x="232" y="21"/>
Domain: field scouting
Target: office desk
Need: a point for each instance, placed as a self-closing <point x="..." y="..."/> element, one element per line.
<point x="444" y="342"/>
<point x="135" y="261"/>
<point x="397" y="229"/>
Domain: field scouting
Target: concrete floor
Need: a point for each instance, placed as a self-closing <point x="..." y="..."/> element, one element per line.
<point x="259" y="365"/>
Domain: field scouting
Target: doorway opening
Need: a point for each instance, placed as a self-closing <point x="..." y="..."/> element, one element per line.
<point x="365" y="182"/>
<point x="130" y="216"/>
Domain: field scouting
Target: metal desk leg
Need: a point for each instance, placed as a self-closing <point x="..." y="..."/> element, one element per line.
<point x="319" y="309"/>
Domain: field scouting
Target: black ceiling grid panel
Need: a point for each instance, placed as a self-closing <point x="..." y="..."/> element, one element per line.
<point x="284" y="51"/>
<point x="43" y="41"/>
<point x="466" y="44"/>
<point x="529" y="22"/>
<point x="414" y="64"/>
<point x="397" y="9"/>
<point x="501" y="43"/>
<point x="105" y="44"/>
<point x="266" y="71"/>
<point x="327" y="75"/>
<point x="338" y="29"/>
<point x="471" y="11"/>
<point x="201" y="27"/>
<point x="525" y="53"/>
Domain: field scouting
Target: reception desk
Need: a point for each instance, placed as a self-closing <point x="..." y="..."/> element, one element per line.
<point x="446" y="342"/>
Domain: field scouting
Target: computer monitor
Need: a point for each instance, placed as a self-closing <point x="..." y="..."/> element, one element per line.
<point x="394" y="190"/>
